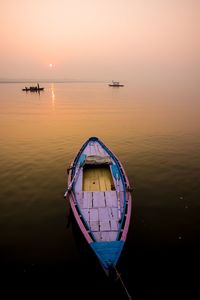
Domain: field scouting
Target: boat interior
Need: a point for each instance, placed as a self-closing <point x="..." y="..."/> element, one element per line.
<point x="97" y="178"/>
<point x="100" y="198"/>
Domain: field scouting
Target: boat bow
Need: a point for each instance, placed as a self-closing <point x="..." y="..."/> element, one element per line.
<point x="108" y="252"/>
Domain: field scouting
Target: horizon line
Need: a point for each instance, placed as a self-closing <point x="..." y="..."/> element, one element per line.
<point x="48" y="81"/>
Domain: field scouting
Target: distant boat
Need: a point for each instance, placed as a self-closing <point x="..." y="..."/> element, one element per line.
<point x="100" y="198"/>
<point x="33" y="88"/>
<point x="115" y="84"/>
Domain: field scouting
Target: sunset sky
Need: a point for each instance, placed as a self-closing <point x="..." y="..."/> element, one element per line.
<point x="98" y="39"/>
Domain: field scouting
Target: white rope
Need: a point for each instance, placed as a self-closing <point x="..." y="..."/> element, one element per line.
<point x="119" y="277"/>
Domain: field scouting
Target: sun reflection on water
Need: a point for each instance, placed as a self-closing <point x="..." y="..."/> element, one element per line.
<point x="53" y="95"/>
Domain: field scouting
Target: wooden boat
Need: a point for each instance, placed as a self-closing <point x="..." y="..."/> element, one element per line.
<point x="116" y="84"/>
<point x="100" y="198"/>
<point x="33" y="88"/>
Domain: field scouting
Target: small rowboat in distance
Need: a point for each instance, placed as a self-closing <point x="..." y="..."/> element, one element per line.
<point x="33" y="88"/>
<point x="116" y="84"/>
<point x="100" y="199"/>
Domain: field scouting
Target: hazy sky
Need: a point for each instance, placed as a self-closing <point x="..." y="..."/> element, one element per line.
<point x="98" y="39"/>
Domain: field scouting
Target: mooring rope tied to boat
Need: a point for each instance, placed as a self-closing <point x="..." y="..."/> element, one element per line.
<point x="120" y="277"/>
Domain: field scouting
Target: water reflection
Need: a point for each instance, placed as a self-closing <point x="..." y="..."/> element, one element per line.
<point x="52" y="95"/>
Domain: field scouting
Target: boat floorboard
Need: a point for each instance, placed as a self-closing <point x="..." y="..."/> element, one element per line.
<point x="100" y="212"/>
<point x="97" y="179"/>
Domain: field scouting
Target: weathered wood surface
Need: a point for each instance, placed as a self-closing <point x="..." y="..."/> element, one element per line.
<point x="100" y="211"/>
<point x="97" y="179"/>
<point x="98" y="199"/>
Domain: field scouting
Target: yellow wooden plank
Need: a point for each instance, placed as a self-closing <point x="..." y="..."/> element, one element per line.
<point x="97" y="182"/>
<point x="86" y="181"/>
<point x="108" y="179"/>
<point x="97" y="179"/>
<point x="102" y="180"/>
<point x="93" y="181"/>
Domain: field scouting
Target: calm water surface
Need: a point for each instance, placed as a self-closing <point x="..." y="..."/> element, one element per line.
<point x="156" y="135"/>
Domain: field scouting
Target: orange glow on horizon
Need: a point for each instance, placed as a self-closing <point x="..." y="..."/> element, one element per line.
<point x="97" y="39"/>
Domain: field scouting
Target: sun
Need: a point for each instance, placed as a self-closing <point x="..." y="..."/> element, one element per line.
<point x="50" y="65"/>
